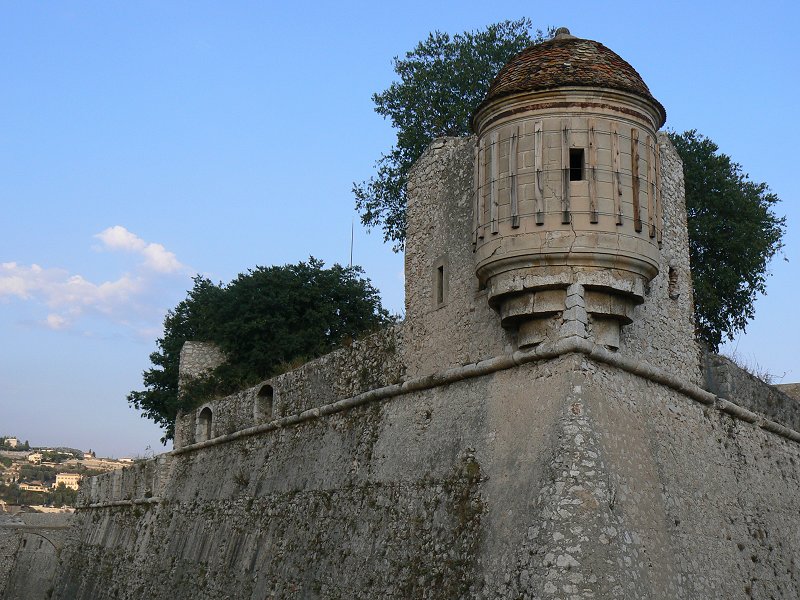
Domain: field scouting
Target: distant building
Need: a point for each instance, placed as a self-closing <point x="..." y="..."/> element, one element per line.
<point x="35" y="457"/>
<point x="35" y="486"/>
<point x="12" y="442"/>
<point x="126" y="460"/>
<point x="70" y="480"/>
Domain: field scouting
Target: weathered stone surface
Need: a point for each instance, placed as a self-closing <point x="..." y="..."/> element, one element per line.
<point x="725" y="379"/>
<point x="559" y="478"/>
<point x="372" y="362"/>
<point x="463" y="328"/>
<point x="30" y="545"/>
<point x="662" y="331"/>
<point x="197" y="358"/>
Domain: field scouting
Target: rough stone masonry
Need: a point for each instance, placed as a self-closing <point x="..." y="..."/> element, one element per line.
<point x="538" y="427"/>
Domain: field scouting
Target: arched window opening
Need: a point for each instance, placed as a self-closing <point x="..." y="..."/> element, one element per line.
<point x="204" y="425"/>
<point x="265" y="398"/>
<point x="672" y="283"/>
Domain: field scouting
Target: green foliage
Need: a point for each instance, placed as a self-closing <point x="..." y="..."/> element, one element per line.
<point x="264" y="318"/>
<point x="30" y="473"/>
<point x="19" y="447"/>
<point x="11" y="494"/>
<point x="442" y="81"/>
<point x="54" y="456"/>
<point x="62" y="495"/>
<point x="5" y="461"/>
<point x="59" y="496"/>
<point x="733" y="234"/>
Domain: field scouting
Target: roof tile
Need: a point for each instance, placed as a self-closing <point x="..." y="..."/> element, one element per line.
<point x="568" y="61"/>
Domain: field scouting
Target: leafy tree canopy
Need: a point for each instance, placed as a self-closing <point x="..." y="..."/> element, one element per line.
<point x="262" y="320"/>
<point x="733" y="234"/>
<point x="441" y="82"/>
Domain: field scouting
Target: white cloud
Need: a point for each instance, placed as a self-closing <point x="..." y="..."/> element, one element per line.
<point x="56" y="322"/>
<point x="68" y="296"/>
<point x="57" y="288"/>
<point x="11" y="282"/>
<point x="159" y="259"/>
<point x="119" y="238"/>
<point x="156" y="257"/>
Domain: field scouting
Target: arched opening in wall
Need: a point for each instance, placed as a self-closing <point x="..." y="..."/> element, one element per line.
<point x="672" y="283"/>
<point x="204" y="425"/>
<point x="265" y="399"/>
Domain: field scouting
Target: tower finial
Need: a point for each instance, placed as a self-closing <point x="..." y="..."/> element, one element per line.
<point x="562" y="33"/>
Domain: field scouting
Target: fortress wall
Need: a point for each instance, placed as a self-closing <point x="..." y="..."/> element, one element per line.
<point x="662" y="332"/>
<point x="701" y="504"/>
<point x="724" y="378"/>
<point x="196" y="358"/>
<point x="9" y="541"/>
<point x="30" y="546"/>
<point x="143" y="480"/>
<point x="418" y="496"/>
<point x="558" y="477"/>
<point x="462" y="328"/>
<point x="369" y="363"/>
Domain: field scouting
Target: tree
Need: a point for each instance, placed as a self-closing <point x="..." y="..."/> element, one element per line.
<point x="262" y="320"/>
<point x="441" y="82"/>
<point x="62" y="496"/>
<point x="733" y="234"/>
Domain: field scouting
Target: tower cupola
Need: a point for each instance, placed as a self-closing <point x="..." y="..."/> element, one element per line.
<point x="567" y="190"/>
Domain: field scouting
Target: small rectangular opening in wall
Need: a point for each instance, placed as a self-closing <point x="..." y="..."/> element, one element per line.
<point x="440" y="284"/>
<point x="576" y="164"/>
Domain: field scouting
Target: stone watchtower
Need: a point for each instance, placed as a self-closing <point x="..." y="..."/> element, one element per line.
<point x="567" y="188"/>
<point x="562" y="217"/>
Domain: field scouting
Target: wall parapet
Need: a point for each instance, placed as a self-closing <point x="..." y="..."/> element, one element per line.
<point x="145" y="480"/>
<point x="503" y="362"/>
<point x="373" y="362"/>
<point x="725" y="378"/>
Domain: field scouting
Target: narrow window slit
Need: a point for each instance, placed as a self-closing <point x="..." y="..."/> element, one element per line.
<point x="440" y="284"/>
<point x="576" y="164"/>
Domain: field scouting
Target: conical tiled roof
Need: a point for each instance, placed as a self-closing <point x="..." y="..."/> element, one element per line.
<point x="565" y="61"/>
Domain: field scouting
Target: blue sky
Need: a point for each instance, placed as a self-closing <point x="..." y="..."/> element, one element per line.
<point x="144" y="142"/>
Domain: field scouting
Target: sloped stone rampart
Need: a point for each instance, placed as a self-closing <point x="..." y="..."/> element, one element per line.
<point x="9" y="541"/>
<point x="392" y="493"/>
<point x="567" y="476"/>
<point x="30" y="546"/>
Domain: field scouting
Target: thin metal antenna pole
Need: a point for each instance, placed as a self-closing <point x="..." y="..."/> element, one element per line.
<point x="351" y="241"/>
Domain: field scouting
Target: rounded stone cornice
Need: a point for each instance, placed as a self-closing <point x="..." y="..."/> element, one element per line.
<point x="616" y="104"/>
